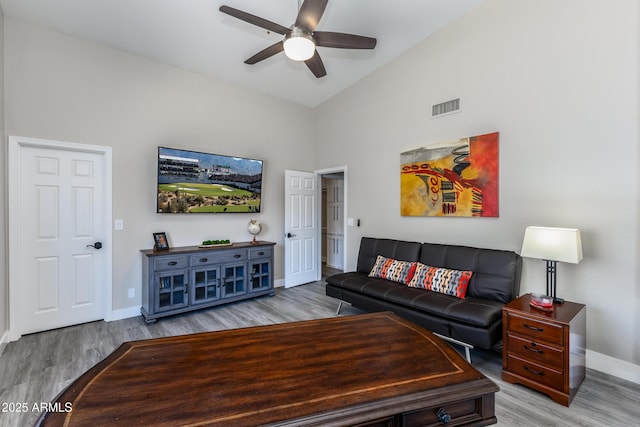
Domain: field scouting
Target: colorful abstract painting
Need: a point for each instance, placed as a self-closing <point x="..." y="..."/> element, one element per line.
<point x="453" y="178"/>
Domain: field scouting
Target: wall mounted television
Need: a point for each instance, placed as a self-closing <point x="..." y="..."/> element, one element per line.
<point x="196" y="182"/>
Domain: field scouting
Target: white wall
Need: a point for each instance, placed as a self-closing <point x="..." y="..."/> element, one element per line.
<point x="64" y="88"/>
<point x="559" y="81"/>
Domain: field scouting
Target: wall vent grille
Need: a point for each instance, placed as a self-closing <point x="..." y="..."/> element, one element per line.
<point x="447" y="107"/>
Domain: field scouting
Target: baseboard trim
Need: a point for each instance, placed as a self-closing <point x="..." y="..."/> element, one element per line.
<point x="4" y="341"/>
<point x="278" y="283"/>
<point x="612" y="366"/>
<point x="125" y="313"/>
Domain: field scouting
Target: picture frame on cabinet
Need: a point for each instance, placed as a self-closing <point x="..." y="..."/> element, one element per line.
<point x="161" y="242"/>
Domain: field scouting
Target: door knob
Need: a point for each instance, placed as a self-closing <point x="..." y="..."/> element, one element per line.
<point x="96" y="245"/>
<point x="289" y="235"/>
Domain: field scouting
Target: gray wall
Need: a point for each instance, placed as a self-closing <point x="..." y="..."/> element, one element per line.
<point x="559" y="81"/>
<point x="64" y="88"/>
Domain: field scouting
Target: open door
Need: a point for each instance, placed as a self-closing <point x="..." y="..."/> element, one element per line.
<point x="301" y="245"/>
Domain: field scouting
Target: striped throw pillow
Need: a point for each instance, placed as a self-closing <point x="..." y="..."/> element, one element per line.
<point x="391" y="269"/>
<point x="443" y="280"/>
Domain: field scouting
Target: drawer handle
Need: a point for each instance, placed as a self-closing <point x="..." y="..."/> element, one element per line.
<point x="260" y="253"/>
<point x="204" y="259"/>
<point x="443" y="417"/>
<point x="237" y="256"/>
<point x="533" y="371"/>
<point x="172" y="263"/>
<point x="535" y="350"/>
<point x="533" y="328"/>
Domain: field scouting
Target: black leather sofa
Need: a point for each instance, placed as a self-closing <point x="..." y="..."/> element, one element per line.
<point x="475" y="320"/>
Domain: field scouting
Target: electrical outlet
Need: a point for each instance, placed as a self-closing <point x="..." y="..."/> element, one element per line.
<point x="119" y="225"/>
<point x="132" y="292"/>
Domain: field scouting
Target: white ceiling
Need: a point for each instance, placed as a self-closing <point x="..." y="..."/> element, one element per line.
<point x="194" y="35"/>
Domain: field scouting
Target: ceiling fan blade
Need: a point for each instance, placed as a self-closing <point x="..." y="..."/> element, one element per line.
<point x="265" y="53"/>
<point x="310" y="13"/>
<point x="255" y="20"/>
<point x="343" y="40"/>
<point x="316" y="66"/>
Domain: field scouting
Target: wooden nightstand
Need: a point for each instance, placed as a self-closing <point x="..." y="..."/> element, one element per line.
<point x="544" y="350"/>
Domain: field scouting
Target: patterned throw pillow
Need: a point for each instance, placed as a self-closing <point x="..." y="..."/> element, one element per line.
<point x="443" y="280"/>
<point x="391" y="269"/>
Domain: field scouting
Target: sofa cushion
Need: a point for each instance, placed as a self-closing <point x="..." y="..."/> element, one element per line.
<point x="392" y="269"/>
<point x="440" y="279"/>
<point x="496" y="273"/>
<point x="370" y="248"/>
<point x="472" y="311"/>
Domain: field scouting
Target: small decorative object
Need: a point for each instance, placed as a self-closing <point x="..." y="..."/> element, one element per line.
<point x="162" y="244"/>
<point x="541" y="302"/>
<point x="552" y="245"/>
<point x="212" y="243"/>
<point x="254" y="228"/>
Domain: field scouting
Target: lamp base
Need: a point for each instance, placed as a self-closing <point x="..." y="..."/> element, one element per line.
<point x="557" y="300"/>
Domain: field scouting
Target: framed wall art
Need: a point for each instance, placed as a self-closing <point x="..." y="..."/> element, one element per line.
<point x="451" y="178"/>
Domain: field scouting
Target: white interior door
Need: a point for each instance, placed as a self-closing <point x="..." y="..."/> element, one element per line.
<point x="62" y="272"/>
<point x="301" y="227"/>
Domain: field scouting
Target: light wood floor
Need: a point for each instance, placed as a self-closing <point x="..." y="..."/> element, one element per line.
<point x="38" y="366"/>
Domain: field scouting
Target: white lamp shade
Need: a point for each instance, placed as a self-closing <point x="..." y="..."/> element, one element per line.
<point x="552" y="244"/>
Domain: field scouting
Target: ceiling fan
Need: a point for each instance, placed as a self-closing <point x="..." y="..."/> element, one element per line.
<point x="301" y="39"/>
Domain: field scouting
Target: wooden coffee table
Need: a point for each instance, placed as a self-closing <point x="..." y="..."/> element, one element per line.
<point x="367" y="370"/>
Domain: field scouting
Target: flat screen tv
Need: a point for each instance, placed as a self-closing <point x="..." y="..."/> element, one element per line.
<point x="195" y="182"/>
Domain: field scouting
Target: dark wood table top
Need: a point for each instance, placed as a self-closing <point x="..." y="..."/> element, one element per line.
<point x="309" y="372"/>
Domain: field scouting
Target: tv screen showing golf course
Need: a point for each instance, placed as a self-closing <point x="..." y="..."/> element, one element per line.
<point x="196" y="182"/>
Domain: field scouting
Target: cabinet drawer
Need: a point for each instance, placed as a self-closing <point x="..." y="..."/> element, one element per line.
<point x="204" y="259"/>
<point x="533" y="328"/>
<point x="534" y="372"/>
<point x="218" y="257"/>
<point x="536" y="351"/>
<point x="168" y="263"/>
<point x="462" y="412"/>
<point x="258" y="253"/>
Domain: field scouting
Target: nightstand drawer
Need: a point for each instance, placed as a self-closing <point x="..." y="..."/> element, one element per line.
<point x="548" y="332"/>
<point x="534" y="372"/>
<point x="536" y="351"/>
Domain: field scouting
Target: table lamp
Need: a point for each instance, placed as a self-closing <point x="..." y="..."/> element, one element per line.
<point x="552" y="245"/>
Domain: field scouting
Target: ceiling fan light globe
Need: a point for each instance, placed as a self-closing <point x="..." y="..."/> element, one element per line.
<point x="299" y="46"/>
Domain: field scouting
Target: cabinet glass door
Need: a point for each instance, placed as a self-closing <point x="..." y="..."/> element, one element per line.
<point x="234" y="280"/>
<point x="260" y="276"/>
<point x="171" y="290"/>
<point x="205" y="285"/>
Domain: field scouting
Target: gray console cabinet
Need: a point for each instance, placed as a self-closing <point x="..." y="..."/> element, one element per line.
<point x="190" y="278"/>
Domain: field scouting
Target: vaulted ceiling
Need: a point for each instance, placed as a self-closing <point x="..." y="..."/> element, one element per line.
<point x="195" y="35"/>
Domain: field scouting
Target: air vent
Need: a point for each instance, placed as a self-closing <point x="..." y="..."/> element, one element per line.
<point x="448" y="107"/>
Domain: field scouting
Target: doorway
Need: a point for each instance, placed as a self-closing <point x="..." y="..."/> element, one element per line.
<point x="333" y="230"/>
<point x="59" y="234"/>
